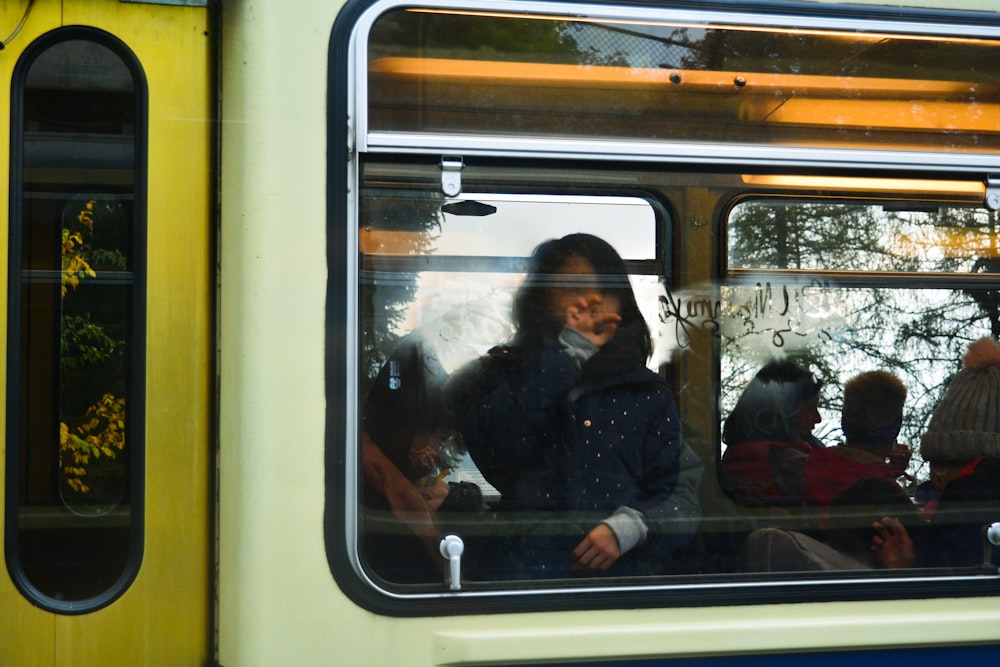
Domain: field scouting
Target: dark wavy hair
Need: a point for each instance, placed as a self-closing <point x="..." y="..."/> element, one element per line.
<point x="536" y="320"/>
<point x="768" y="409"/>
<point x="405" y="400"/>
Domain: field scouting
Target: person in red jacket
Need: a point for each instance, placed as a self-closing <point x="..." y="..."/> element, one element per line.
<point x="871" y="419"/>
<point x="768" y="436"/>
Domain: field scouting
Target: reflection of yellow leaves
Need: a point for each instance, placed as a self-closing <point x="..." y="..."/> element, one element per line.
<point x="74" y="264"/>
<point x="77" y="485"/>
<point x="86" y="216"/>
<point x="102" y="434"/>
<point x="74" y="267"/>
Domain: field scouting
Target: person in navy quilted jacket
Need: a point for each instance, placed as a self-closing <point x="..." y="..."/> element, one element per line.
<point x="582" y="440"/>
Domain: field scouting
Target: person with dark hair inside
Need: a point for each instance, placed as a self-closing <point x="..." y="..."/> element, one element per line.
<point x="580" y="438"/>
<point x="780" y="403"/>
<point x="854" y="485"/>
<point x="408" y="446"/>
<point x="768" y="436"/>
<point x="871" y="419"/>
<point x="962" y="443"/>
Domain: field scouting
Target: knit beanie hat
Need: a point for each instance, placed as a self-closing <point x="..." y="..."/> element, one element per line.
<point x="966" y="423"/>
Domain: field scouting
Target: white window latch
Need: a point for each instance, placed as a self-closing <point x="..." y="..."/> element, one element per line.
<point x="451" y="549"/>
<point x="451" y="175"/>
<point x="993" y="193"/>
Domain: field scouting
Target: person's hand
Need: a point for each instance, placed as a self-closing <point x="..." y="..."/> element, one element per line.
<point x="892" y="545"/>
<point x="383" y="476"/>
<point x="590" y="317"/>
<point x="598" y="551"/>
<point x="899" y="457"/>
<point x="434" y="494"/>
<point x="405" y="501"/>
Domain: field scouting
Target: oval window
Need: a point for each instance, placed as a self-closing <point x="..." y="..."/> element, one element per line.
<point x="76" y="313"/>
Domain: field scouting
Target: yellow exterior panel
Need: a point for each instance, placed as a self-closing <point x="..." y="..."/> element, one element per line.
<point x="164" y="618"/>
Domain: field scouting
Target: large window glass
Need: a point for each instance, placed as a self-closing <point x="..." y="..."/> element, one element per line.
<point x="653" y="374"/>
<point x="876" y="283"/>
<point x="437" y="286"/>
<point x="75" y="339"/>
<point x="850" y="287"/>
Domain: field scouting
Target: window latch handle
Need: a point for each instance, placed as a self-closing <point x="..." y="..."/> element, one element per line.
<point x="992" y="535"/>
<point x="452" y="548"/>
<point x="451" y="175"/>
<point x="992" y="200"/>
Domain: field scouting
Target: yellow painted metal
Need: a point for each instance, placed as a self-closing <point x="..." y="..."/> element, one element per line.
<point x="165" y="617"/>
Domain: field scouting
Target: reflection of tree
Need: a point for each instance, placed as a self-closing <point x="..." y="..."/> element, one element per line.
<point x="92" y="351"/>
<point x="403" y="32"/>
<point x="810" y="235"/>
<point x="988" y="301"/>
<point x="458" y="36"/>
<point x="920" y="334"/>
<point x="386" y="295"/>
<point x="781" y="52"/>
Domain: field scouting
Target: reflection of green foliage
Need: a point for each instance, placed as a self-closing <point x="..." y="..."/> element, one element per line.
<point x="90" y="359"/>
<point x="101" y="434"/>
<point x="456" y="36"/>
<point x="94" y="222"/>
<point x="98" y="224"/>
<point x="74" y="260"/>
<point x="796" y="53"/>
<point x="111" y="259"/>
<point x="85" y="343"/>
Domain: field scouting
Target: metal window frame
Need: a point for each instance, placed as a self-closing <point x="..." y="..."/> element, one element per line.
<point x="349" y="137"/>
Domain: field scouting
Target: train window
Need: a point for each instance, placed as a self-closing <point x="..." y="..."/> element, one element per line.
<point x="437" y="284"/>
<point x="75" y="344"/>
<point x="529" y="189"/>
<point x="676" y="80"/>
<point x="847" y="287"/>
<point x="887" y="237"/>
<point x="499" y="225"/>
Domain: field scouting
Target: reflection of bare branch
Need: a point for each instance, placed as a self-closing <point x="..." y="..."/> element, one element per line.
<point x="914" y="331"/>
